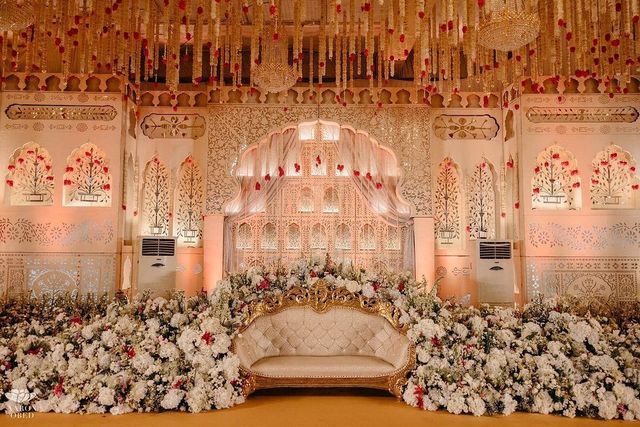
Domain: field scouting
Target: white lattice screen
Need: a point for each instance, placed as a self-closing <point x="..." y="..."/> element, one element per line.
<point x="318" y="210"/>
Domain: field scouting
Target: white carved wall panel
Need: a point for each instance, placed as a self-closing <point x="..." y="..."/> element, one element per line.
<point x="56" y="243"/>
<point x="590" y="252"/>
<point x="404" y="129"/>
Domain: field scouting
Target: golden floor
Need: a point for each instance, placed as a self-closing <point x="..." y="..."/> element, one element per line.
<point x="291" y="408"/>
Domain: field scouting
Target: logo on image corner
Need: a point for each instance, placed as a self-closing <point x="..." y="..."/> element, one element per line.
<point x="18" y="403"/>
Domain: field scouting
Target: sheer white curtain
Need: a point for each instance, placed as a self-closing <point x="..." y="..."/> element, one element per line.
<point x="372" y="168"/>
<point x="259" y="174"/>
<point x="375" y="173"/>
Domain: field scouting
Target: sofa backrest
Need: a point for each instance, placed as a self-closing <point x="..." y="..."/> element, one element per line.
<point x="339" y="331"/>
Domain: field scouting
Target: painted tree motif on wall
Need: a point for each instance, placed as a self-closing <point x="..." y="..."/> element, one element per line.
<point x="556" y="180"/>
<point x="156" y="198"/>
<point x="188" y="226"/>
<point x="30" y="176"/>
<point x="87" y="178"/>
<point x="482" y="202"/>
<point x="613" y="178"/>
<point x="447" y="203"/>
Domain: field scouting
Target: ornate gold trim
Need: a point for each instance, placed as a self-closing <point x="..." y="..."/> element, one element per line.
<point x="321" y="298"/>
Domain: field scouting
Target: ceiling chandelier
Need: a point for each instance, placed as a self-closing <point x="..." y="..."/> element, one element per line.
<point x="272" y="71"/>
<point x="490" y="43"/>
<point x="508" y="28"/>
<point x="15" y="15"/>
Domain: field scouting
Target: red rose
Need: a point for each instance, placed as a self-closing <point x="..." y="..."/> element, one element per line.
<point x="207" y="338"/>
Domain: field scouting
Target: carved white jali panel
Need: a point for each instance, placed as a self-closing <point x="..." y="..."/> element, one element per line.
<point x="556" y="180"/>
<point x="447" y="202"/>
<point x="481" y="202"/>
<point x="613" y="179"/>
<point x="318" y="211"/>
<point x="155" y="207"/>
<point x="602" y="279"/>
<point x="189" y="200"/>
<point x="87" y="178"/>
<point x="31" y="176"/>
<point x="404" y="129"/>
<point x="37" y="273"/>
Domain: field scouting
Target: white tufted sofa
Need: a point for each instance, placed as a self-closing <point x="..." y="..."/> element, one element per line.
<point x="338" y="347"/>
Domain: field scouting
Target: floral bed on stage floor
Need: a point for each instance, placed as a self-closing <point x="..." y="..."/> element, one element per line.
<point x="97" y="355"/>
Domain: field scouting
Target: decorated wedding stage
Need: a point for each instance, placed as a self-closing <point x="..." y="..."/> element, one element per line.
<point x="96" y="355"/>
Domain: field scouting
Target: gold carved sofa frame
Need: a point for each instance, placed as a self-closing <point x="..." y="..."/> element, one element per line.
<point x="322" y="298"/>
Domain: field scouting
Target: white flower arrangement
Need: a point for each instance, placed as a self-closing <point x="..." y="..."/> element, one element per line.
<point x="148" y="355"/>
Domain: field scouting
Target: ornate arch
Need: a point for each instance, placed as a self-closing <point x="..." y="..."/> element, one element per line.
<point x="30" y="176"/>
<point x="189" y="200"/>
<point x="556" y="180"/>
<point x="481" y="202"/>
<point x="613" y="179"/>
<point x="156" y="198"/>
<point x="448" y="205"/>
<point x="87" y="177"/>
<point x="405" y="130"/>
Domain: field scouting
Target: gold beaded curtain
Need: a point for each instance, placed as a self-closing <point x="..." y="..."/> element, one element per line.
<point x="442" y="43"/>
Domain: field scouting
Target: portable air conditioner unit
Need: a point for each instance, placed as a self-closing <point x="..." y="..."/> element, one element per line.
<point x="157" y="265"/>
<point x="494" y="272"/>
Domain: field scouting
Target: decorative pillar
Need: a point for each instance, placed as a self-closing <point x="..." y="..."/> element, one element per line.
<point x="213" y="250"/>
<point x="425" y="248"/>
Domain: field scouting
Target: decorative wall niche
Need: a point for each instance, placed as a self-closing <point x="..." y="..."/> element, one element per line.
<point x="447" y="205"/>
<point x="481" y="202"/>
<point x="189" y="200"/>
<point x="556" y="181"/>
<point x="87" y="178"/>
<point x="30" y="176"/>
<point x="613" y="179"/>
<point x="156" y="199"/>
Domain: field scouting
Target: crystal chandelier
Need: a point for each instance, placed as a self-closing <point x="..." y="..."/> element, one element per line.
<point x="16" y="15"/>
<point x="509" y="29"/>
<point x="273" y="73"/>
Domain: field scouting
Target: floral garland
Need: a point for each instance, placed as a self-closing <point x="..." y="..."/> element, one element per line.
<point x="156" y="354"/>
